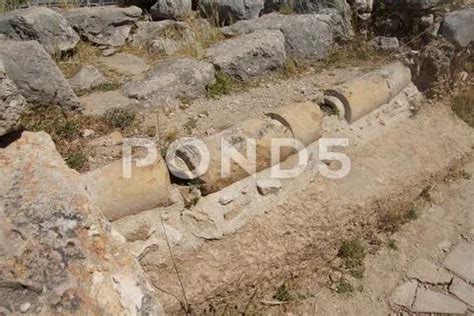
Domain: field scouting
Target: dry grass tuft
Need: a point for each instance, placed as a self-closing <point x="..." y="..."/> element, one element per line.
<point x="463" y="106"/>
<point x="87" y="54"/>
<point x="359" y="50"/>
<point x="65" y="128"/>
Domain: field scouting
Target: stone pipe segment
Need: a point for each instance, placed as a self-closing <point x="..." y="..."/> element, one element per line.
<point x="262" y="130"/>
<point x="364" y="94"/>
<point x="302" y="119"/>
<point x="118" y="197"/>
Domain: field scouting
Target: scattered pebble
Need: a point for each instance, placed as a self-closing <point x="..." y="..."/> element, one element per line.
<point x="108" y="52"/>
<point x="25" y="307"/>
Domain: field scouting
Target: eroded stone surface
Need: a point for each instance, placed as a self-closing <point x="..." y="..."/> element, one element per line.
<point x="86" y="78"/>
<point x="44" y="25"/>
<point x="460" y="261"/>
<point x="306" y="35"/>
<point x="250" y="55"/>
<point x="57" y="252"/>
<point x="429" y="301"/>
<point x="458" y="27"/>
<point x="104" y="25"/>
<point x="404" y="295"/>
<point x="166" y="9"/>
<point x="163" y="37"/>
<point x="36" y="75"/>
<point x="99" y="102"/>
<point x="229" y="11"/>
<point x="126" y="64"/>
<point x="172" y="79"/>
<point x="462" y="290"/>
<point x="12" y="104"/>
<point x="426" y="271"/>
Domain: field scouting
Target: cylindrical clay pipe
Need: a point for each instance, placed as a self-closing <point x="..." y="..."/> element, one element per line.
<point x="366" y="93"/>
<point x="301" y="121"/>
<point x="118" y="197"/>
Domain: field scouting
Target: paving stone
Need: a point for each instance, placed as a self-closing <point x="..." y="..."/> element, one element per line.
<point x="426" y="271"/>
<point x="461" y="261"/>
<point x="462" y="290"/>
<point x="268" y="186"/>
<point x="97" y="103"/>
<point x="429" y="301"/>
<point x="126" y="64"/>
<point x="404" y="295"/>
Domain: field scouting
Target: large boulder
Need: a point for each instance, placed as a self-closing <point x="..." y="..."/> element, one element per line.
<point x="58" y="254"/>
<point x="458" y="27"/>
<point x="12" y="104"/>
<point x="35" y="74"/>
<point x="46" y="26"/>
<point x="182" y="78"/>
<point x="164" y="37"/>
<point x="229" y="11"/>
<point x="104" y="25"/>
<point x="307" y="36"/>
<point x="171" y="9"/>
<point x="249" y="55"/>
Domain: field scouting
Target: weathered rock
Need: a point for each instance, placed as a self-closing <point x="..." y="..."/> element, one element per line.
<point x="386" y="43"/>
<point x="250" y="55"/>
<point x="429" y="301"/>
<point x="462" y="290"/>
<point x="458" y="27"/>
<point x="164" y="37"/>
<point x="126" y="64"/>
<point x="306" y="35"/>
<point x="412" y="4"/>
<point x="229" y="11"/>
<point x="57" y="252"/>
<point x="35" y="74"/>
<point x="99" y="102"/>
<point x="268" y="186"/>
<point x="12" y="104"/>
<point x="44" y="25"/>
<point x="104" y="25"/>
<point x="434" y="64"/>
<point x="404" y="295"/>
<point x="173" y="79"/>
<point x="171" y="9"/>
<point x="87" y="78"/>
<point x="425" y="271"/>
<point x="460" y="261"/>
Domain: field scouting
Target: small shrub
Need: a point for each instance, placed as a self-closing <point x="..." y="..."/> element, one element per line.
<point x="392" y="244"/>
<point x="68" y="130"/>
<point x="108" y="86"/>
<point x="119" y="118"/>
<point x="286" y="9"/>
<point x="353" y="254"/>
<point x="282" y="294"/>
<point x="190" y="124"/>
<point x="463" y="106"/>
<point x="222" y="85"/>
<point x="76" y="160"/>
<point x="412" y="214"/>
<point x="352" y="251"/>
<point x="329" y="110"/>
<point x="344" y="287"/>
<point x="291" y="68"/>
